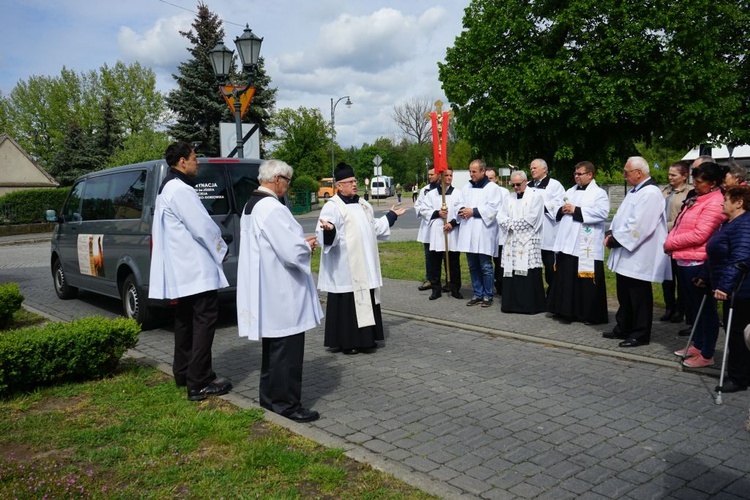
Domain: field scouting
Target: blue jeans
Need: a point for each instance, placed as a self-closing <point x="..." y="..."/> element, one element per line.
<point x="482" y="275"/>
<point x="707" y="329"/>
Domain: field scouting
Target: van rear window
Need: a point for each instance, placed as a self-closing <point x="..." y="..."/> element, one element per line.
<point x="211" y="186"/>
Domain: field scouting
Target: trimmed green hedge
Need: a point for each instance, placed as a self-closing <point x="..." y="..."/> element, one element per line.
<point x="63" y="352"/>
<point x="305" y="183"/>
<point x="28" y="206"/>
<point x="10" y="302"/>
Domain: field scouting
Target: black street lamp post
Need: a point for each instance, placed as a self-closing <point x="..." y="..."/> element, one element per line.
<point x="348" y="104"/>
<point x="248" y="48"/>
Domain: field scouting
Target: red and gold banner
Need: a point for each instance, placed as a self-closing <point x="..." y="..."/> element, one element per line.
<point x="440" y="124"/>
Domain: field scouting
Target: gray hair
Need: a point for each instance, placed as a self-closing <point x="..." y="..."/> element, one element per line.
<point x="480" y="163"/>
<point x="638" y="163"/>
<point x="738" y="171"/>
<point x="519" y="173"/>
<point x="541" y="163"/>
<point x="271" y="168"/>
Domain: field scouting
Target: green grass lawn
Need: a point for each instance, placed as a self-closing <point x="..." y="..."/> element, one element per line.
<point x="135" y="435"/>
<point x="404" y="260"/>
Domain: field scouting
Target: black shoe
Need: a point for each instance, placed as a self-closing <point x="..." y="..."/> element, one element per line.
<point x="456" y="294"/>
<point x="685" y="331"/>
<point x="424" y="286"/>
<point x="436" y="294"/>
<point x="632" y="343"/>
<point x="613" y="335"/>
<point x="446" y="288"/>
<point x="731" y="385"/>
<point x="474" y="301"/>
<point x="486" y="302"/>
<point x="667" y="316"/>
<point x="218" y="387"/>
<point x="303" y="415"/>
<point x="350" y="351"/>
<point x="677" y="317"/>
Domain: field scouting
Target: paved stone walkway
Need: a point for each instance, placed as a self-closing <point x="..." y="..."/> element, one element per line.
<point x="473" y="403"/>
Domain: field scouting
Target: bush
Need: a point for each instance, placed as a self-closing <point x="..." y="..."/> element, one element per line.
<point x="10" y="302"/>
<point x="28" y="206"/>
<point x="305" y="183"/>
<point x="63" y="352"/>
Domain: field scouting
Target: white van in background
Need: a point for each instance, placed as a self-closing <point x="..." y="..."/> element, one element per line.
<point x="382" y="187"/>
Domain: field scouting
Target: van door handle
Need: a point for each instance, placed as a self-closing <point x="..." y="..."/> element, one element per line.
<point x="228" y="238"/>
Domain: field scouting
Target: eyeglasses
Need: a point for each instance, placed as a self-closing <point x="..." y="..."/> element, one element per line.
<point x="578" y="174"/>
<point x="287" y="179"/>
<point x="517" y="184"/>
<point x="347" y="182"/>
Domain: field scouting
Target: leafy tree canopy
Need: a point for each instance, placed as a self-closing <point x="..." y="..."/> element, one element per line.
<point x="585" y="79"/>
<point x="302" y="141"/>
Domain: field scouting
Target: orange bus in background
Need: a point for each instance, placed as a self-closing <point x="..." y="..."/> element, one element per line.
<point x="326" y="188"/>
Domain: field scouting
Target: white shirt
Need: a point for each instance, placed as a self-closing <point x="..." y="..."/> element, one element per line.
<point x="479" y="234"/>
<point x="187" y="246"/>
<point x="435" y="236"/>
<point x="553" y="199"/>
<point x="594" y="204"/>
<point x="641" y="228"/>
<point x="276" y="295"/>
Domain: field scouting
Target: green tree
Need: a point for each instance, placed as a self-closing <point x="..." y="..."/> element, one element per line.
<point x="76" y="155"/>
<point x="108" y="135"/>
<point x="141" y="146"/>
<point x="303" y="142"/>
<point x="585" y="79"/>
<point x="197" y="101"/>
<point x="132" y="91"/>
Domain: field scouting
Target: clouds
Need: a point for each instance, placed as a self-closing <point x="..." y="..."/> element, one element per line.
<point x="380" y="52"/>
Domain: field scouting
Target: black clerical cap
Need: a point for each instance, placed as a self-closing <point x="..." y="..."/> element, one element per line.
<point x="343" y="171"/>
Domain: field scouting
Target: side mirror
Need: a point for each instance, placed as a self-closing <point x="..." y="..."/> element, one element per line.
<point x="50" y="216"/>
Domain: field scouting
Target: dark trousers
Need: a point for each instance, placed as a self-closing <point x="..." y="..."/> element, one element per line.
<point x="636" y="311"/>
<point x="426" y="261"/>
<point x="194" y="328"/>
<point x="498" y="276"/>
<point x="672" y="296"/>
<point x="738" y="357"/>
<point x="707" y="327"/>
<point x="281" y="373"/>
<point x="435" y="263"/>
<point x="548" y="261"/>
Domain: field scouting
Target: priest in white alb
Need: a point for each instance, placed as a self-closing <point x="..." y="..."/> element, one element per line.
<point x="636" y="242"/>
<point x="350" y="266"/>
<point x="523" y="284"/>
<point x="276" y="296"/>
<point x="579" y="291"/>
<point x="477" y="238"/>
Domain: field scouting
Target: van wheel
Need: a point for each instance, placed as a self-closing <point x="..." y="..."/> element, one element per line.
<point x="62" y="288"/>
<point x="326" y="196"/>
<point x="134" y="303"/>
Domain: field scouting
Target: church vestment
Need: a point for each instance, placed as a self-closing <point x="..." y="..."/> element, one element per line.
<point x="186" y="263"/>
<point x="436" y="236"/>
<point x="637" y="257"/>
<point x="477" y="237"/>
<point x="276" y="297"/>
<point x="553" y="193"/>
<point x="350" y="272"/>
<point x="523" y="288"/>
<point x="579" y="290"/>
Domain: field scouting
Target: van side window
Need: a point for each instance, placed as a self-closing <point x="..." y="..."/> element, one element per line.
<point x="211" y="186"/>
<point x="116" y="196"/>
<point x="72" y="210"/>
<point x="244" y="182"/>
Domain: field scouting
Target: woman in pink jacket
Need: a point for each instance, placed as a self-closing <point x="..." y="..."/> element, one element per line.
<point x="701" y="215"/>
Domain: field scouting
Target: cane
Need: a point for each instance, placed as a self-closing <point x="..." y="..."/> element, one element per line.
<point x="743" y="270"/>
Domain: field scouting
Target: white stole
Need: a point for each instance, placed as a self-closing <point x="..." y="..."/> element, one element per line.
<point x="357" y="265"/>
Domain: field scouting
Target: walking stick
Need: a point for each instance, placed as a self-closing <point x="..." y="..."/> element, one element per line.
<point x="692" y="331"/>
<point x="728" y="328"/>
<point x="445" y="235"/>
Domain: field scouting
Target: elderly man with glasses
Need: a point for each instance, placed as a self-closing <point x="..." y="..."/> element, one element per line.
<point x="579" y="292"/>
<point x="523" y="285"/>
<point x="636" y="239"/>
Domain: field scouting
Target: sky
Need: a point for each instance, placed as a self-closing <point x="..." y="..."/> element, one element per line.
<point x="381" y="53"/>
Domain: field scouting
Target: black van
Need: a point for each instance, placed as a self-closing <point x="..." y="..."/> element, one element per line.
<point x="102" y="242"/>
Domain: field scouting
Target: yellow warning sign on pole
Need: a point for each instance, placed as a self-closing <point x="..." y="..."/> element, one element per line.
<point x="245" y="98"/>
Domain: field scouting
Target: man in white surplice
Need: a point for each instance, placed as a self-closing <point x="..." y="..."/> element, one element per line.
<point x="477" y="237"/>
<point x="422" y="232"/>
<point x="350" y="266"/>
<point x="276" y="296"/>
<point x="186" y="264"/>
<point x="636" y="239"/>
<point x="553" y="193"/>
<point x="579" y="292"/>
<point x="523" y="288"/>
